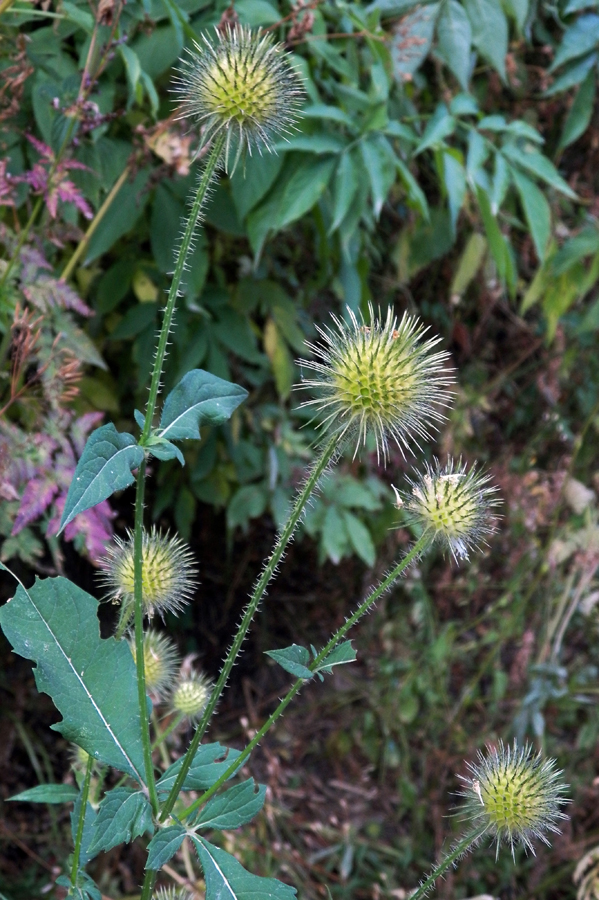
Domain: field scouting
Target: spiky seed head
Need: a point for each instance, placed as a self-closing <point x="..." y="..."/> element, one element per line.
<point x="516" y="793"/>
<point x="171" y="893"/>
<point x="380" y="378"/>
<point x="160" y="660"/>
<point x="168" y="572"/>
<point x="191" y="695"/>
<point x="239" y="84"/>
<point x="453" y="504"/>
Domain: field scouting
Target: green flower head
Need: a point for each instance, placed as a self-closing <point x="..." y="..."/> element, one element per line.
<point x="516" y="794"/>
<point x="190" y="695"/>
<point x="160" y="660"/>
<point x="380" y="378"/>
<point x="239" y="84"/>
<point x="453" y="505"/>
<point x="168" y="573"/>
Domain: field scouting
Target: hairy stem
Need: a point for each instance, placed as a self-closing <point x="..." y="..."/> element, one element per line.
<point x="139" y="636"/>
<point x="148" y="885"/>
<point x="362" y="609"/>
<point x="210" y="167"/>
<point x="452" y="857"/>
<point x="283" y="539"/>
<point x="81" y="822"/>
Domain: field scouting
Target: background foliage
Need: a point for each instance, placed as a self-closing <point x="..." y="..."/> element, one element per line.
<point x="446" y="162"/>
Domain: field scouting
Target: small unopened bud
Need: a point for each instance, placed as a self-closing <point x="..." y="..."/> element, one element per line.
<point x="516" y="793"/>
<point x="168" y="573"/>
<point x="160" y="660"/>
<point x="454" y="505"/>
<point x="380" y="379"/>
<point x="191" y="695"/>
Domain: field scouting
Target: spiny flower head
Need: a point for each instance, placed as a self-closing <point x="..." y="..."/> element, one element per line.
<point x="453" y="504"/>
<point x="516" y="793"/>
<point x="242" y="85"/>
<point x="168" y="572"/>
<point x="379" y="379"/>
<point x="191" y="695"/>
<point x="160" y="660"/>
<point x="171" y="893"/>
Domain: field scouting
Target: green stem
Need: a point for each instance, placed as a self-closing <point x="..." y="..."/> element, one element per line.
<point x="81" y="822"/>
<point x="261" y="585"/>
<point x="162" y="735"/>
<point x="148" y="885"/>
<point x="83" y="243"/>
<point x="206" y="177"/>
<point x="460" y="848"/>
<point x="362" y="609"/>
<point x="139" y="636"/>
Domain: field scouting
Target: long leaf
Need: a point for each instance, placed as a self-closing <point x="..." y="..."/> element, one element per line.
<point x="92" y="681"/>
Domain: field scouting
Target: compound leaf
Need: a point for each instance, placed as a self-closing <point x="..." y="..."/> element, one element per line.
<point x="234" y="808"/>
<point x="200" y="398"/>
<point x="105" y="467"/>
<point x="93" y="682"/>
<point x="123" y="815"/>
<point x="226" y="879"/>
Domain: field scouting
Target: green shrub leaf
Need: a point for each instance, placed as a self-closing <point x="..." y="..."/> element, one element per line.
<point x="226" y="879"/>
<point x="455" y="36"/>
<point x="105" y="467"/>
<point x="234" y="808"/>
<point x="93" y="682"/>
<point x="200" y="398"/>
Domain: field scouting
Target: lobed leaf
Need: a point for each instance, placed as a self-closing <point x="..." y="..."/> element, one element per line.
<point x="210" y="762"/>
<point x="123" y="815"/>
<point x="200" y="398"/>
<point x="226" y="879"/>
<point x="93" y="682"/>
<point x="234" y="807"/>
<point x="105" y="467"/>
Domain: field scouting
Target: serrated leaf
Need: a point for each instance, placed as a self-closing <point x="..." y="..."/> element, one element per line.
<point x="339" y="655"/>
<point x="234" y="808"/>
<point x="48" y="793"/>
<point x="200" y="398"/>
<point x="210" y="762"/>
<point x="85" y="889"/>
<point x="105" y="467"/>
<point x="454" y="35"/>
<point x="537" y="164"/>
<point x="164" y="845"/>
<point x="93" y="682"/>
<point x="489" y="31"/>
<point x="293" y="659"/>
<point x="226" y="879"/>
<point x="123" y="815"/>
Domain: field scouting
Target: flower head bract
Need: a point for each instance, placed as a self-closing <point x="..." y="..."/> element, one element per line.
<point x="453" y="503"/>
<point x="516" y="794"/>
<point x="380" y="378"/>
<point x="168" y="573"/>
<point x="239" y="84"/>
